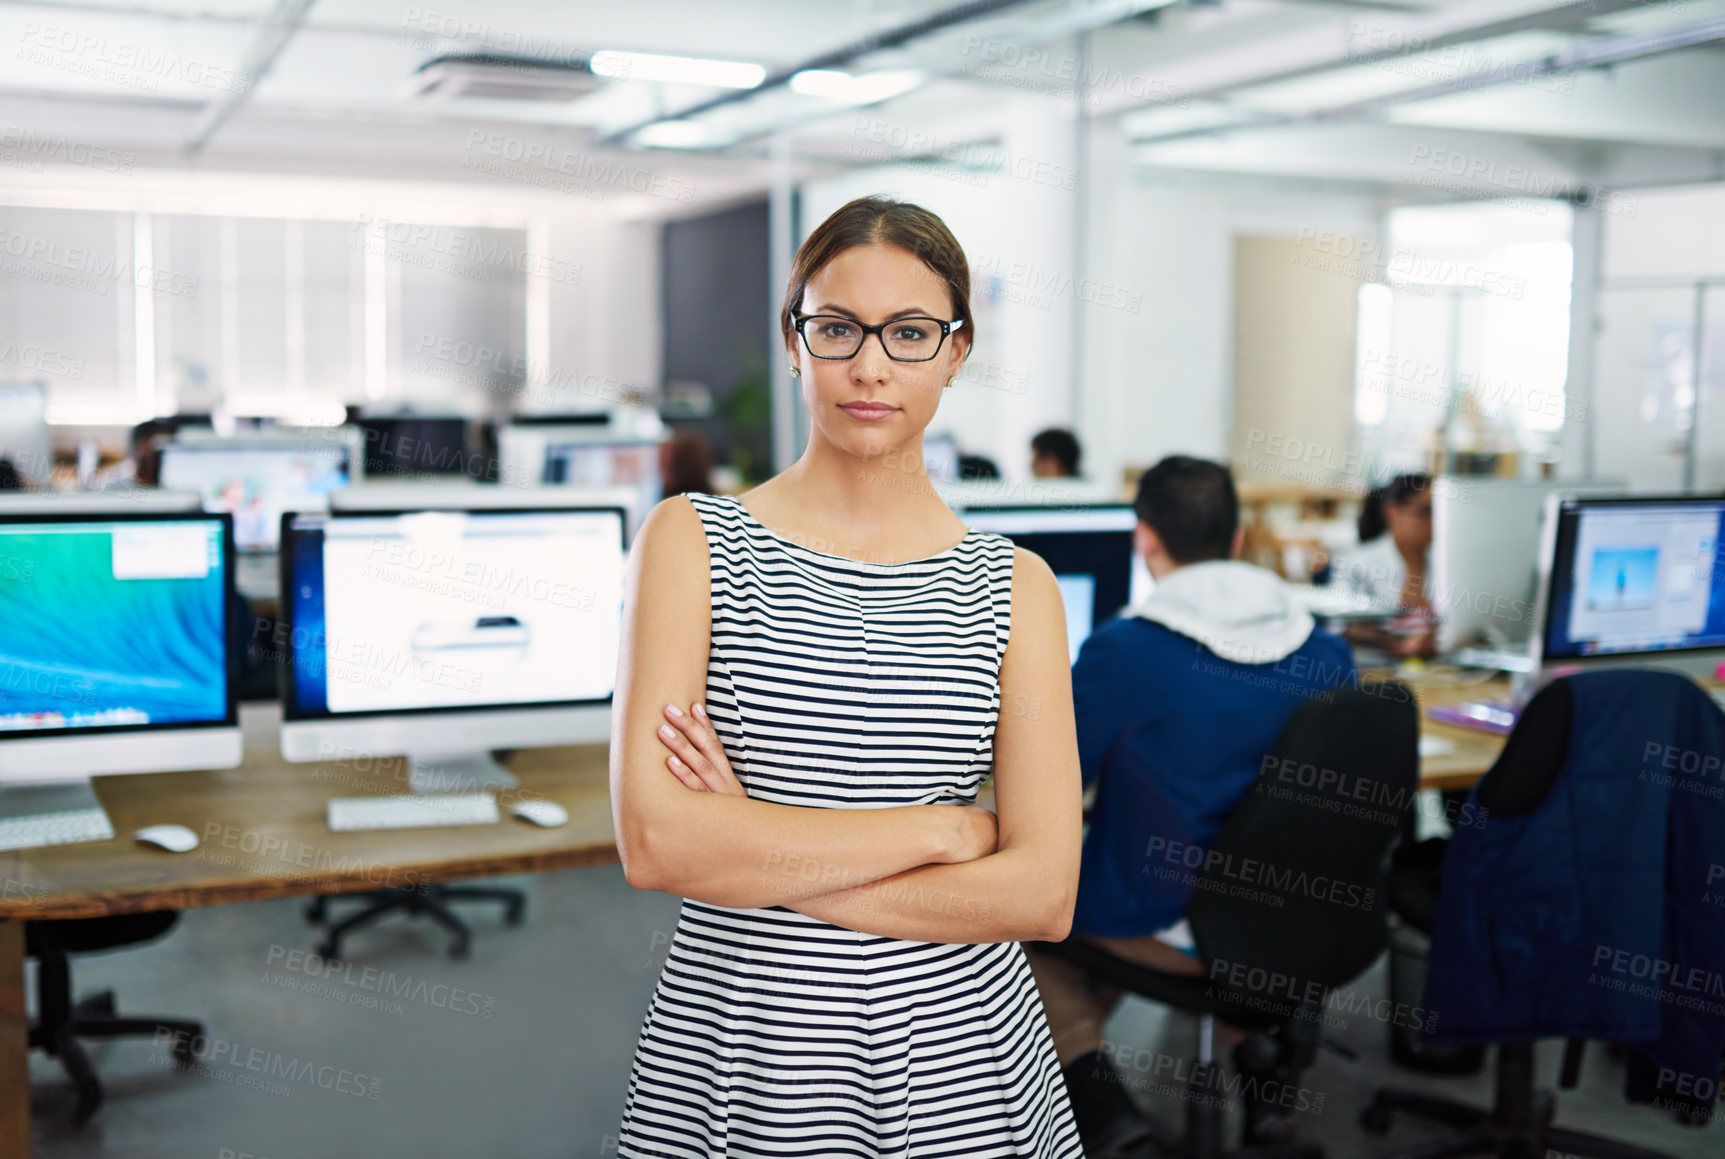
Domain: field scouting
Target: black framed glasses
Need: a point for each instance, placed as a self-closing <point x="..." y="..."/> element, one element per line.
<point x="913" y="339"/>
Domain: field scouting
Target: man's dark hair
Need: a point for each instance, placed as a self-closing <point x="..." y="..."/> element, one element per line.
<point x="10" y="479"/>
<point x="977" y="467"/>
<point x="1060" y="445"/>
<point x="1192" y="506"/>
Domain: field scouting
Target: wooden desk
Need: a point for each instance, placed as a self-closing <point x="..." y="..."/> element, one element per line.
<point x="1475" y="749"/>
<point x="264" y="836"/>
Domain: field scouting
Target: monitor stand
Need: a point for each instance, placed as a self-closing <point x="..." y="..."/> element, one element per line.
<point x="463" y="772"/>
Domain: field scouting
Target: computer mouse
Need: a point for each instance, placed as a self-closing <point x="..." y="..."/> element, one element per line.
<point x="547" y="813"/>
<point x="173" y="838"/>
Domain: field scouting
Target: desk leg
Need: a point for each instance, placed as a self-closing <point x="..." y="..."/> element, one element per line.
<point x="14" y="1044"/>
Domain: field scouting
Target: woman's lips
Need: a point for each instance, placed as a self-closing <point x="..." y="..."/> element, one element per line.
<point x="864" y="410"/>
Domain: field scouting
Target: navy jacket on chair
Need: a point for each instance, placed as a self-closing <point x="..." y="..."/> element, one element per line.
<point x="1596" y="909"/>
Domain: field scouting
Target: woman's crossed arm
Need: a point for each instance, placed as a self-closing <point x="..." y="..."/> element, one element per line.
<point x="722" y="847"/>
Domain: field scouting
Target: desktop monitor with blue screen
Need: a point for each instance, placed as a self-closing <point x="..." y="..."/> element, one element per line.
<point x="117" y="651"/>
<point x="1089" y="548"/>
<point x="443" y="634"/>
<point x="1634" y="579"/>
<point x="256" y="479"/>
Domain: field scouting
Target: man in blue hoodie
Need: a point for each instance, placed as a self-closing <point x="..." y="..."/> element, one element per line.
<point x="1178" y="700"/>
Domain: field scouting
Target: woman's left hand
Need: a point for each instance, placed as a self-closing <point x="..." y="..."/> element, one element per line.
<point x="697" y="756"/>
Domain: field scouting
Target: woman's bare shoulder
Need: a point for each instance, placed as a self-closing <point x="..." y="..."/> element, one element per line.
<point x="672" y="535"/>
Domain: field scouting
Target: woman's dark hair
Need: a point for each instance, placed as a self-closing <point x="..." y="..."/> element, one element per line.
<point x="688" y="464"/>
<point x="1399" y="490"/>
<point x="1192" y="507"/>
<point x="896" y="223"/>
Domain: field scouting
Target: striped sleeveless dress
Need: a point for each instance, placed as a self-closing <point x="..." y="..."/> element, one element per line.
<point x="840" y="684"/>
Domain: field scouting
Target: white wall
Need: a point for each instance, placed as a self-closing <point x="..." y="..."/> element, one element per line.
<point x="1161" y="381"/>
<point x="1663" y="259"/>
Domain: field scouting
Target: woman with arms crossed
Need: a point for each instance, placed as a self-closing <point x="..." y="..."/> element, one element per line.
<point x="815" y="679"/>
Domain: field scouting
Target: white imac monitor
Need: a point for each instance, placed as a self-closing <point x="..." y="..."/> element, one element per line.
<point x="257" y="477"/>
<point x="118" y="650"/>
<point x="1090" y="551"/>
<point x="1633" y="580"/>
<point x="24" y="433"/>
<point x="1485" y="556"/>
<point x="468" y="495"/>
<point x="443" y="632"/>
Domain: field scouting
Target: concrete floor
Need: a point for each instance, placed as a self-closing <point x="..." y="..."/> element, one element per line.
<point x="523" y="1051"/>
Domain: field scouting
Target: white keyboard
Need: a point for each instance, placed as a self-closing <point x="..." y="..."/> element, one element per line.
<point x="412" y="811"/>
<point x="38" y="829"/>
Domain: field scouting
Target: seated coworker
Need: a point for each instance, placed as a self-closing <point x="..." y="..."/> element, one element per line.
<point x="1391" y="568"/>
<point x="1177" y="701"/>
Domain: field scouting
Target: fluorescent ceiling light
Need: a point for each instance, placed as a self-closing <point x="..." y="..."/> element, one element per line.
<point x="822" y="82"/>
<point x="855" y="90"/>
<point x="725" y="74"/>
<point x="674" y="135"/>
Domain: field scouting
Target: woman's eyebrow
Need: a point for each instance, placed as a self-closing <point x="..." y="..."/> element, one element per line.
<point x="901" y="312"/>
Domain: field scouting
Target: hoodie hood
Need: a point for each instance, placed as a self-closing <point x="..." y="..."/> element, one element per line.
<point x="1240" y="612"/>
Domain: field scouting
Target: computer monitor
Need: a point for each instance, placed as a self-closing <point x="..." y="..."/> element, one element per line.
<point x="419" y="445"/>
<point x="118" y="650"/>
<point x="940" y="457"/>
<point x="257" y="477"/>
<point x="1090" y="551"/>
<point x="1633" y="579"/>
<point x="443" y="633"/>
<point x="1485" y="556"/>
<point x="966" y="494"/>
<point x="24" y="433"/>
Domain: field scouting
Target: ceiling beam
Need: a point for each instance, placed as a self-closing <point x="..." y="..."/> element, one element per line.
<point x="274" y="29"/>
<point x="1605" y="51"/>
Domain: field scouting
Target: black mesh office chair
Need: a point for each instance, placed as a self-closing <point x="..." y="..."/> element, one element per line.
<point x="61" y="1022"/>
<point x="432" y="902"/>
<point x="1519" y="1122"/>
<point x="1269" y="967"/>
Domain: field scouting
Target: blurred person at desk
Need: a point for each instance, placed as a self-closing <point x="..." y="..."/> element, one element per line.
<point x="1176" y="701"/>
<point x="1391" y="569"/>
<point x="1054" y="454"/>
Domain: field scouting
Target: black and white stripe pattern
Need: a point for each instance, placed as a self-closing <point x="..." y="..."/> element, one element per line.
<point x="841" y="684"/>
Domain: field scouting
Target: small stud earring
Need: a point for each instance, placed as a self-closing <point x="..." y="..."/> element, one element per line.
<point x="796" y="371"/>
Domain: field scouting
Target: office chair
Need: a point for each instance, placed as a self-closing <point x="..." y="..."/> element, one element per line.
<point x="1269" y="967"/>
<point x="432" y="901"/>
<point x="1519" y="1122"/>
<point x="60" y="1022"/>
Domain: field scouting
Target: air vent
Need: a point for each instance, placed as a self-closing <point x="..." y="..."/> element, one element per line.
<point x="509" y="78"/>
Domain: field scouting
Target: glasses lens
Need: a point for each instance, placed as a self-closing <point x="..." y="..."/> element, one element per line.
<point x="912" y="339"/>
<point x="830" y="336"/>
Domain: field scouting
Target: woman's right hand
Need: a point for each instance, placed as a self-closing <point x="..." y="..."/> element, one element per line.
<point x="976" y="833"/>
